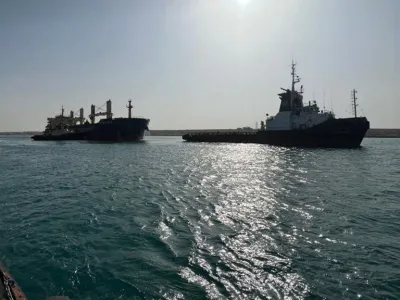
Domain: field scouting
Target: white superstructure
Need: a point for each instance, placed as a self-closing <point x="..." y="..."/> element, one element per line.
<point x="293" y="115"/>
<point x="60" y="124"/>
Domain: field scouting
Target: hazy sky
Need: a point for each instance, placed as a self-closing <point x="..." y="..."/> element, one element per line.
<point x="196" y="63"/>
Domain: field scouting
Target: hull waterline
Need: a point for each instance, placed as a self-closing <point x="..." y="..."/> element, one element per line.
<point x="334" y="133"/>
<point x="116" y="130"/>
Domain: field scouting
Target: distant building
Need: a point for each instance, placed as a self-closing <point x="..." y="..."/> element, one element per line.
<point x="247" y="128"/>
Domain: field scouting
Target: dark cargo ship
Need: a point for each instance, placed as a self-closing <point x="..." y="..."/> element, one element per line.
<point x="61" y="127"/>
<point x="297" y="125"/>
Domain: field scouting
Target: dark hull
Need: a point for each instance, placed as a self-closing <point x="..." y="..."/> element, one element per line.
<point x="118" y="130"/>
<point x="334" y="133"/>
<point x="115" y="130"/>
<point x="63" y="137"/>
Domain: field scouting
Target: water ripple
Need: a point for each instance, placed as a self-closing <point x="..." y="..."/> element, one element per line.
<point x="172" y="220"/>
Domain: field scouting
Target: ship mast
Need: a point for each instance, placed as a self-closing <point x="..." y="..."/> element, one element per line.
<point x="129" y="109"/>
<point x="295" y="79"/>
<point x="354" y="102"/>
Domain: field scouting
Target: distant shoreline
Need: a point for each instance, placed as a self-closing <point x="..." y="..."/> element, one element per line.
<point x="372" y="133"/>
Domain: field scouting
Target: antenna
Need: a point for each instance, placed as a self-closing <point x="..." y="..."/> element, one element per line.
<point x="295" y="79"/>
<point x="354" y="102"/>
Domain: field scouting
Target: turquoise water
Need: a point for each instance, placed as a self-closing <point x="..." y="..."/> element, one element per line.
<point x="165" y="219"/>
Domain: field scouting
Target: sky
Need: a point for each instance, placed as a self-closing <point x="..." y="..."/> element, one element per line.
<point x="196" y="64"/>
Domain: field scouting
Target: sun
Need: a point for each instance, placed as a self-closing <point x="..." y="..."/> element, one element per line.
<point x="243" y="2"/>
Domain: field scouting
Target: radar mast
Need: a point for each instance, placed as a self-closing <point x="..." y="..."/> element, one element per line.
<point x="354" y="102"/>
<point x="295" y="79"/>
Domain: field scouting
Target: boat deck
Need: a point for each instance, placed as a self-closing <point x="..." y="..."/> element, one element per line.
<point x="3" y="293"/>
<point x="15" y="290"/>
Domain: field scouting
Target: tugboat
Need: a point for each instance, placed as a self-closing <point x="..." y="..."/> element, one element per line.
<point x="61" y="127"/>
<point x="297" y="125"/>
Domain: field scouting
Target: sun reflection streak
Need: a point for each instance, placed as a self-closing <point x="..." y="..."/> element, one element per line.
<point x="249" y="252"/>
